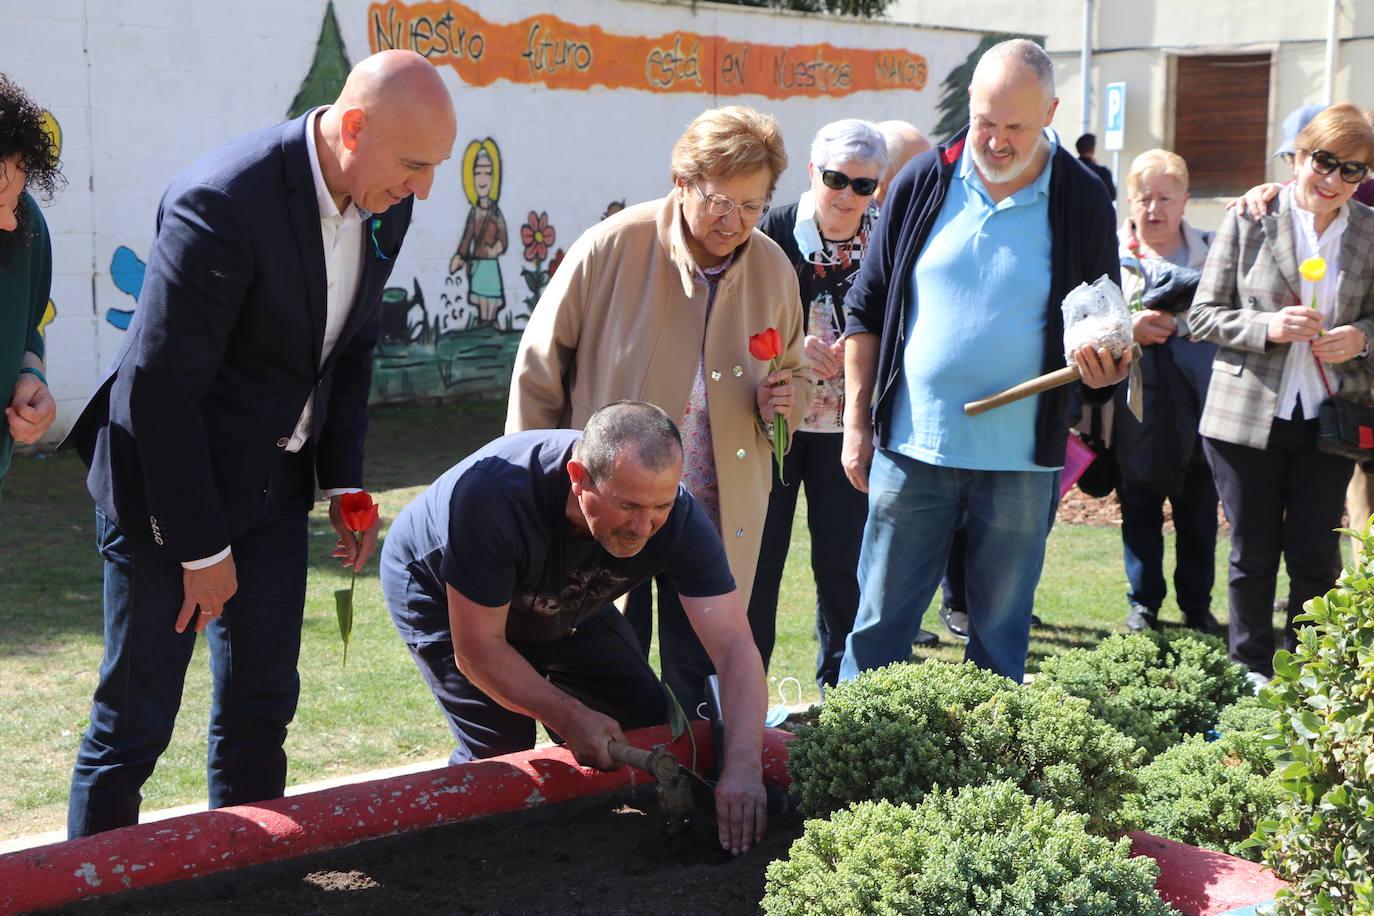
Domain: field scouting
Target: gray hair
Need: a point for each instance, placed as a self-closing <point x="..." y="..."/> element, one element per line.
<point x="1025" y="53"/>
<point x="852" y="139"/>
<point x="635" y="429"/>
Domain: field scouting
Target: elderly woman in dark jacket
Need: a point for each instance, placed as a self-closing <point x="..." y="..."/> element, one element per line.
<point x="1160" y="456"/>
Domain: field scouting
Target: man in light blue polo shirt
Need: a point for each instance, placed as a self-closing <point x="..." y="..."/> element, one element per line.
<point x="978" y="245"/>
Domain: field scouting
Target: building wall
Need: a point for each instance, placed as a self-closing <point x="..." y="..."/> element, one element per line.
<point x="1133" y="42"/>
<point x="580" y="99"/>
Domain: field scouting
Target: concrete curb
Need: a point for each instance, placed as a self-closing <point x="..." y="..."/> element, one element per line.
<point x="146" y="855"/>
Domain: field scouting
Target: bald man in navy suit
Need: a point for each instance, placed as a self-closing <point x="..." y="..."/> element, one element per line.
<point x="242" y="385"/>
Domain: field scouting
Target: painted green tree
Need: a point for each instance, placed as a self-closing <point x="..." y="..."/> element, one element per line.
<point x="328" y="70"/>
<point x="953" y="105"/>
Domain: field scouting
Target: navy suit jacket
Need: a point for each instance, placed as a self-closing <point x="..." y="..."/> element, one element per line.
<point x="190" y="420"/>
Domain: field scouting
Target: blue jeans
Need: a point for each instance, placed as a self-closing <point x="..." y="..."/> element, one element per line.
<point x="914" y="509"/>
<point x="253" y="647"/>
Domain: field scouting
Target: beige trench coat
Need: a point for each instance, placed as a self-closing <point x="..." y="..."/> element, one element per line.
<point x="624" y="318"/>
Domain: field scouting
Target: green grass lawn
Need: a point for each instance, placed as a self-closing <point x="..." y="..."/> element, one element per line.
<point x="376" y="712"/>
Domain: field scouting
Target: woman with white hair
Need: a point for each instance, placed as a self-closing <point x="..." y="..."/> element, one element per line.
<point x="824" y="234"/>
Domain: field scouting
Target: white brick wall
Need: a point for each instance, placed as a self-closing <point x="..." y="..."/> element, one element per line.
<point x="142" y="87"/>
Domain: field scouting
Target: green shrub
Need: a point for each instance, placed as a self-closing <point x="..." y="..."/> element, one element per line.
<point x="986" y="850"/>
<point x="1209" y="793"/>
<point x="1322" y="841"/>
<point x="1155" y="687"/>
<point x="898" y="732"/>
<point x="1248" y="714"/>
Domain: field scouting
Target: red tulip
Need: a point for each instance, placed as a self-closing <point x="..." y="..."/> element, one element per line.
<point x="766" y="344"/>
<point x="359" y="513"/>
<point x="358" y="510"/>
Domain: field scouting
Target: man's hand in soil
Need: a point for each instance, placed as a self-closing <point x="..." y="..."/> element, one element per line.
<point x="722" y="624"/>
<point x="741" y="808"/>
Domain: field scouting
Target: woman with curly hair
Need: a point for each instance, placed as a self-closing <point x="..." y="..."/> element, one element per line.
<point x="28" y="163"/>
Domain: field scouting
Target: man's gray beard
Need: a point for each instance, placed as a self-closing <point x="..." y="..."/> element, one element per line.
<point x="993" y="174"/>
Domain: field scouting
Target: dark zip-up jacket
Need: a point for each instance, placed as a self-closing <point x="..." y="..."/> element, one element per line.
<point x="1083" y="248"/>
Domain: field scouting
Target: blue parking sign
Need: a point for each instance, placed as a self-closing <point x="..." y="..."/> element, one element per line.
<point x="1115" y="133"/>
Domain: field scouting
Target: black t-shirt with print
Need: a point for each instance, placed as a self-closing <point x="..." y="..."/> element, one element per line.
<point x="495" y="528"/>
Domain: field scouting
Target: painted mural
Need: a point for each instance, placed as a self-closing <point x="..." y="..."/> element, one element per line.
<point x="126" y="271"/>
<point x="485" y="237"/>
<point x="561" y="55"/>
<point x="451" y="323"/>
<point x="328" y="69"/>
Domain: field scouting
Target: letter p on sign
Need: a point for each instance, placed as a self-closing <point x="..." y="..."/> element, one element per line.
<point x="1115" y="133"/>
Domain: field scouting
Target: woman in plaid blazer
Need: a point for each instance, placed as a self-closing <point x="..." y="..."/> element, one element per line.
<point x="1287" y="341"/>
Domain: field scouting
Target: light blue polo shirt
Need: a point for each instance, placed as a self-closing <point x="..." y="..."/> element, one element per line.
<point x="976" y="326"/>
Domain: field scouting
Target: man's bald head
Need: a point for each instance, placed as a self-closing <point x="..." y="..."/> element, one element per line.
<point x="391" y="126"/>
<point x="1013" y="60"/>
<point x="394" y="83"/>
<point x="904" y="142"/>
<point x="1011" y="102"/>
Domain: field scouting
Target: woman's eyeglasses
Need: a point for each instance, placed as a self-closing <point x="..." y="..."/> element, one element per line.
<point x="719" y="205"/>
<point x="838" y="181"/>
<point x="1352" y="171"/>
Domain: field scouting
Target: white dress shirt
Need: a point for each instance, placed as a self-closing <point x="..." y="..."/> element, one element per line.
<point x="343" y="260"/>
<point x="1300" y="374"/>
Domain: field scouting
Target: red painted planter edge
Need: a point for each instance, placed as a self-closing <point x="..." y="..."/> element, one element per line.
<point x="1199" y="882"/>
<point x="146" y="855"/>
<point x="1203" y="882"/>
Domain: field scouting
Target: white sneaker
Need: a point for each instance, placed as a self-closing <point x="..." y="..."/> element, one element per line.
<point x="1257" y="680"/>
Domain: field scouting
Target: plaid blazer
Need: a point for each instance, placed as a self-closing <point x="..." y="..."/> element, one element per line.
<point x="1251" y="272"/>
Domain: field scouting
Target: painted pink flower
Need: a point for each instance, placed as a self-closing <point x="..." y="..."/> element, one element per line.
<point x="537" y="235"/>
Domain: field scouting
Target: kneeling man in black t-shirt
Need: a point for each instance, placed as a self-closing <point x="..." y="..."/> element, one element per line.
<point x="501" y="576"/>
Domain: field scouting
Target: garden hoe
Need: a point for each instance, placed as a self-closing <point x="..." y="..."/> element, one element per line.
<point x="677" y="786"/>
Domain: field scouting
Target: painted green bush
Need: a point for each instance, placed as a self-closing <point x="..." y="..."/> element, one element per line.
<point x="1156" y="687"/>
<point x="896" y="733"/>
<point x="1322" y="840"/>
<point x="987" y="849"/>
<point x="1209" y="793"/>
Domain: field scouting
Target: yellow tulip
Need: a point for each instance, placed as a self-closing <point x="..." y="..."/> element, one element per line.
<point x="1313" y="269"/>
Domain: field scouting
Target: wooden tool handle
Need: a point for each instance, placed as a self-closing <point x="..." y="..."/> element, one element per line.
<point x="658" y="762"/>
<point x="1024" y="390"/>
<point x="633" y="756"/>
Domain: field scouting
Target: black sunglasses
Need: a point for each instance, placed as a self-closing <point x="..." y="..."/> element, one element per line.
<point x="1324" y="163"/>
<point x="838" y="181"/>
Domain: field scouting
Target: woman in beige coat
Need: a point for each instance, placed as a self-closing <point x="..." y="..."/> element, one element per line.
<point x="658" y="303"/>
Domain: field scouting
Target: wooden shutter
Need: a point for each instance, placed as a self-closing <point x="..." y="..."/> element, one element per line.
<point x="1221" y="121"/>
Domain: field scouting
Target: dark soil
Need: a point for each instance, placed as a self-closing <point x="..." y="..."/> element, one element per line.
<point x="600" y="857"/>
